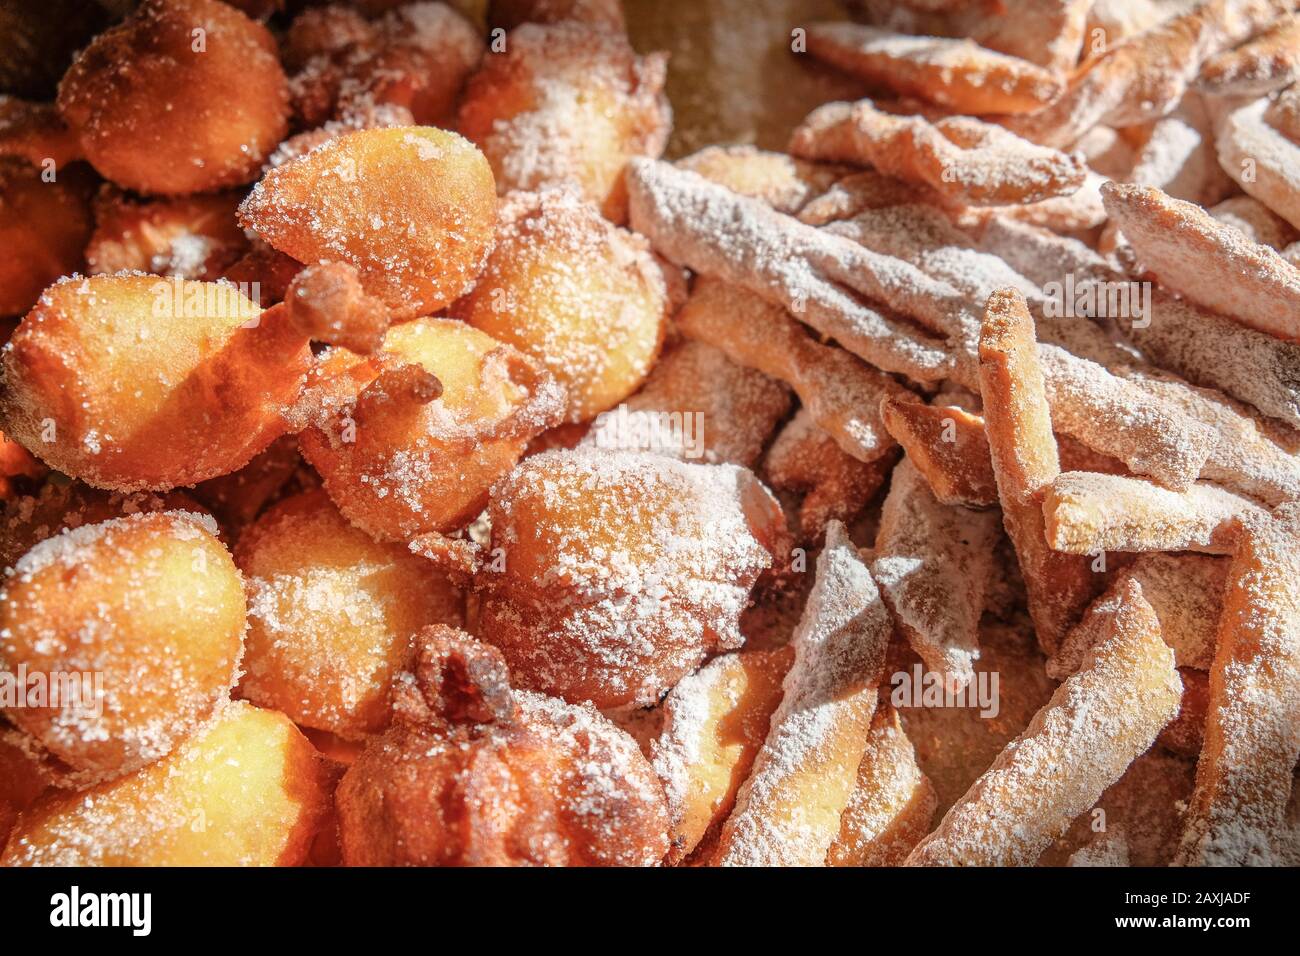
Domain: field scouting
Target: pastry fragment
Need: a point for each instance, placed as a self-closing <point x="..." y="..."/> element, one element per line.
<point x="1268" y="62"/>
<point x="36" y="133"/>
<point x="1252" y="735"/>
<point x="819" y="278"/>
<point x="964" y="160"/>
<point x="247" y="789"/>
<point x="474" y="773"/>
<point x="835" y="485"/>
<point x="1207" y="261"/>
<point x="1259" y="157"/>
<point x="1143" y="77"/>
<point x="784" y="182"/>
<point x="1096" y="723"/>
<point x="1184" y="590"/>
<point x="957" y="74"/>
<point x="788" y="811"/>
<point x="729" y="422"/>
<point x="1085" y="513"/>
<point x="841" y="392"/>
<point x="1283" y="114"/>
<point x="947" y="445"/>
<point x="1255" y="221"/>
<point x="1025" y="463"/>
<point x="194" y="237"/>
<point x="892" y="803"/>
<point x="714" y="722"/>
<point x="1177" y="155"/>
<point x="933" y="563"/>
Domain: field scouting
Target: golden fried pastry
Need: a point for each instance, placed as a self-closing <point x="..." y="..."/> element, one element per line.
<point x="581" y="296"/>
<point x="246" y="790"/>
<point x="784" y="182"/>
<point x="139" y="621"/>
<point x="141" y="98"/>
<point x="567" y="103"/>
<point x="714" y="721"/>
<point x="412" y="208"/>
<point x="473" y="773"/>
<point x="617" y="572"/>
<point x="171" y="381"/>
<point x="194" y="237"/>
<point x="331" y="613"/>
<point x="36" y="132"/>
<point x="508" y="14"/>
<point x="44" y="227"/>
<point x="410" y="440"/>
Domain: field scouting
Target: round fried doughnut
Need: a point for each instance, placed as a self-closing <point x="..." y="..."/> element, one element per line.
<point x="582" y="296"/>
<point x="183" y="96"/>
<point x="131" y="381"/>
<point x="615" y="573"/>
<point x="324" y="31"/>
<point x="400" y="462"/>
<point x="44" y="228"/>
<point x="194" y="237"/>
<point x="567" y="103"/>
<point x="331" y="614"/>
<point x="423" y="55"/>
<point x="472" y="773"/>
<point x="153" y="606"/>
<point x="412" y="208"/>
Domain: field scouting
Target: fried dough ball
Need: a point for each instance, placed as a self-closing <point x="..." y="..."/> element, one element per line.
<point x="331" y="615"/>
<point x="59" y="505"/>
<point x="183" y="96"/>
<point x="606" y="14"/>
<point x="194" y="237"/>
<point x="472" y="773"/>
<point x="131" y="382"/>
<point x="324" y="32"/>
<point x="19" y="469"/>
<point x="44" y="228"/>
<point x="36" y="132"/>
<point x="423" y="54"/>
<point x="412" y="208"/>
<point x="152" y="603"/>
<point x="401" y="460"/>
<point x="618" y="572"/>
<point x="580" y="295"/>
<point x="246" y="790"/>
<point x="567" y="103"/>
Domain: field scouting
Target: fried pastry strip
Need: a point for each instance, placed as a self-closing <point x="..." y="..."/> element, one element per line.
<point x="892" y="802"/>
<point x="956" y="74"/>
<point x="1143" y="77"/>
<point x="714" y="722"/>
<point x="1252" y="735"/>
<point x="933" y="563"/>
<point x="820" y="278"/>
<point x="1177" y="155"/>
<point x="1266" y="63"/>
<point x="947" y="445"/>
<point x="788" y="812"/>
<point x="840" y="391"/>
<point x="836" y="486"/>
<point x="964" y="160"/>
<point x="1096" y="723"/>
<point x="1263" y="161"/>
<point x="1184" y="590"/>
<point x="1283" y="114"/>
<point x="1255" y="221"/>
<point x="1206" y="261"/>
<point x="1085" y="513"/>
<point x="1025" y="462"/>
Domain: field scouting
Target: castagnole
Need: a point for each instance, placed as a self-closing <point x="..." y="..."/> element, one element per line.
<point x="144" y="616"/>
<point x="331" y="615"/>
<point x="567" y="102"/>
<point x="411" y="208"/>
<point x="583" y="297"/>
<point x="612" y="574"/>
<point x="139" y="98"/>
<point x="473" y="773"/>
<point x="409" y="441"/>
